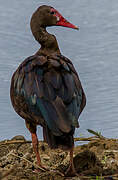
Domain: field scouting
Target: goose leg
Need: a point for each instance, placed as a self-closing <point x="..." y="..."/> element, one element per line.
<point x="32" y="129"/>
<point x="35" y="147"/>
<point x="71" y="169"/>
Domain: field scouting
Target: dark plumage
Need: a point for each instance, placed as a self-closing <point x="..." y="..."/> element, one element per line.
<point x="46" y="90"/>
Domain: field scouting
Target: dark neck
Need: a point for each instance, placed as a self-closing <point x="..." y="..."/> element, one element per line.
<point x="47" y="41"/>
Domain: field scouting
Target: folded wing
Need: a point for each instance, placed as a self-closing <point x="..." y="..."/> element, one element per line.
<point x="48" y="88"/>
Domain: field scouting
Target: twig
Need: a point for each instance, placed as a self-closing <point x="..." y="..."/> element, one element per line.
<point x="36" y="166"/>
<point x="15" y="142"/>
<point x="86" y="139"/>
<point x="92" y="138"/>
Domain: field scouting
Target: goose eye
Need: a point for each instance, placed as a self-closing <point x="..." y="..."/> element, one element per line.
<point x="52" y="12"/>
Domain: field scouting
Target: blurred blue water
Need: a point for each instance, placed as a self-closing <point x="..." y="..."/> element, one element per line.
<point x="93" y="50"/>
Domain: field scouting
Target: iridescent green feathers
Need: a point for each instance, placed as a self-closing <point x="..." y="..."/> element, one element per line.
<point x="51" y="91"/>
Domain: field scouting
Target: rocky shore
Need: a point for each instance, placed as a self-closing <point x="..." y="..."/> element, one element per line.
<point x="98" y="159"/>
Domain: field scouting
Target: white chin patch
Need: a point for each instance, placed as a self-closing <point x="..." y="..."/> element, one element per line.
<point x="58" y="19"/>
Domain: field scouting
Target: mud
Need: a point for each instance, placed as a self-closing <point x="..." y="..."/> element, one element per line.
<point x="96" y="160"/>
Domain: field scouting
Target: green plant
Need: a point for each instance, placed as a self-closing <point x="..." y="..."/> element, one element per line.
<point x="98" y="178"/>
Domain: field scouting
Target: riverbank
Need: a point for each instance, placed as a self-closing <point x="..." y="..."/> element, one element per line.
<point x="98" y="159"/>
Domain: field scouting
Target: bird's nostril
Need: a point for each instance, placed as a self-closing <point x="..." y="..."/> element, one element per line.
<point x="58" y="19"/>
